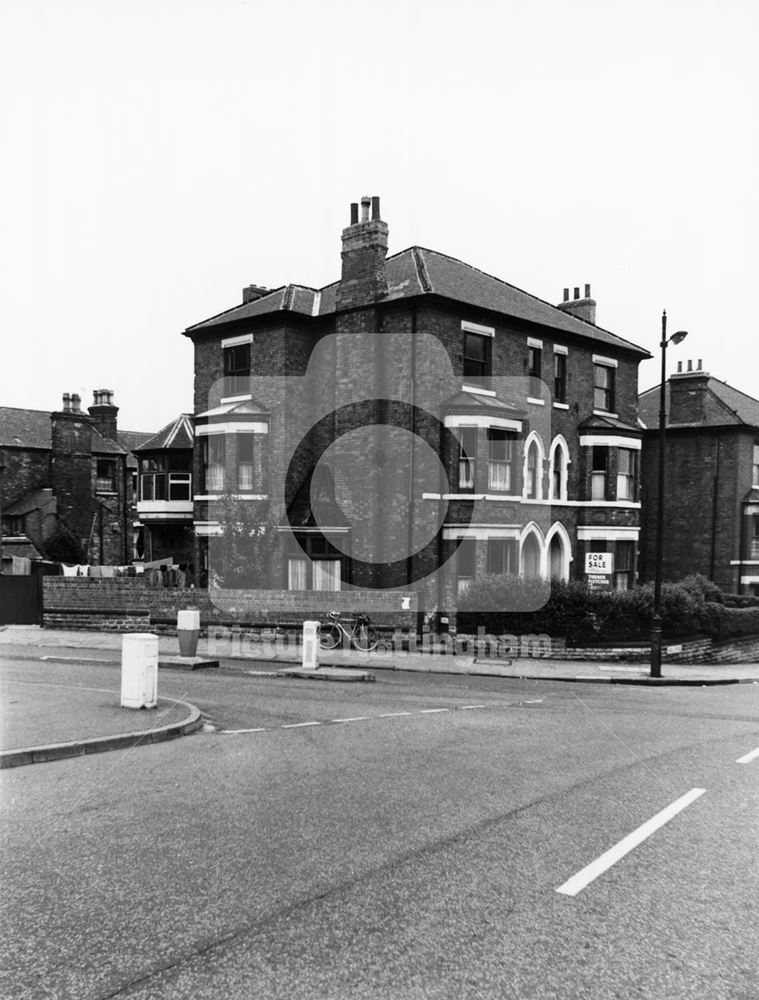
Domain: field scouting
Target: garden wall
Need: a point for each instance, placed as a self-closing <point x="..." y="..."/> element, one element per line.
<point x="127" y="604"/>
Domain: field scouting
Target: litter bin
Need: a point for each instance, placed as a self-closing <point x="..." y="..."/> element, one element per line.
<point x="139" y="670"/>
<point x="188" y="630"/>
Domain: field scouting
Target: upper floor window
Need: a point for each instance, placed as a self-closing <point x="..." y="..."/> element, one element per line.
<point x="477" y="355"/>
<point x="598" y="475"/>
<point x="559" y="469"/>
<point x="214" y="453"/>
<point x="467" y="458"/>
<point x="755" y="470"/>
<point x="105" y="475"/>
<point x="532" y="480"/>
<point x="603" y="387"/>
<point x="166" y="477"/>
<point x="237" y="369"/>
<point x="15" y="524"/>
<point x="534" y="367"/>
<point x="559" y="377"/>
<point x="500" y="455"/>
<point x="626" y="463"/>
<point x="754" y="550"/>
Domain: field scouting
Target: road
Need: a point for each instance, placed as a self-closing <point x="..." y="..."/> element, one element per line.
<point x="404" y="839"/>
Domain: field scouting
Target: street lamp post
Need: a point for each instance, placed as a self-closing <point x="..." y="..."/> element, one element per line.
<point x="676" y="338"/>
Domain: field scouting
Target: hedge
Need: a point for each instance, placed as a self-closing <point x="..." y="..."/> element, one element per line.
<point x="508" y="604"/>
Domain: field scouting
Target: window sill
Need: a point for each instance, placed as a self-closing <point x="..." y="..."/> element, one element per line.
<point x="561" y="406"/>
<point x="477" y="390"/>
<point x="536" y="402"/>
<point x="246" y="398"/>
<point x="605" y="413"/>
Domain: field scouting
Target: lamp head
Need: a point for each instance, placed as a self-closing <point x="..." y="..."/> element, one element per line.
<point x="678" y="337"/>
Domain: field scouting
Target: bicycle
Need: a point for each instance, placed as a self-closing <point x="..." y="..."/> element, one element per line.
<point x="361" y="634"/>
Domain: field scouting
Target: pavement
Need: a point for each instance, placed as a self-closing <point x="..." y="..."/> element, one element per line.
<point x="44" y="722"/>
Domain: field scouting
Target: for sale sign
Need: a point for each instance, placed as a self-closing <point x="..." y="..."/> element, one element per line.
<point x="598" y="569"/>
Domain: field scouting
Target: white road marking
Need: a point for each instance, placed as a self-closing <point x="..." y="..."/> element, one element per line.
<point x="431" y="711"/>
<point x="393" y="715"/>
<point x="586" y="875"/>
<point x="748" y="757"/>
<point x="469" y="708"/>
<point x="356" y="718"/>
<point x="535" y="701"/>
<point x="76" y="659"/>
<point x="299" y="725"/>
<point x="234" y="732"/>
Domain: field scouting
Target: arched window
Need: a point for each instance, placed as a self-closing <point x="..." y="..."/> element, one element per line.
<point x="533" y="467"/>
<point x="559" y="552"/>
<point x="531" y="552"/>
<point x="558" y="469"/>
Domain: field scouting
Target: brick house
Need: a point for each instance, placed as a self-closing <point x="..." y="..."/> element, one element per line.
<point x="164" y="501"/>
<point x="529" y="409"/>
<point x="711" y="497"/>
<point x="66" y="485"/>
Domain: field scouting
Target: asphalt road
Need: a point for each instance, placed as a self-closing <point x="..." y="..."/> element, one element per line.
<point x="410" y="845"/>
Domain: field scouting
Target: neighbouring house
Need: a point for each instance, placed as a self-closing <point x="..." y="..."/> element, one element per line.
<point x="164" y="502"/>
<point x="711" y="486"/>
<point x="67" y="483"/>
<point x="529" y="409"/>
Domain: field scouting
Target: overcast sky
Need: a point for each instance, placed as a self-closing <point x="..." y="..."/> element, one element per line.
<point x="160" y="154"/>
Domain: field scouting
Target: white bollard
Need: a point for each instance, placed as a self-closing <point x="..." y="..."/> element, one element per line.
<point x="310" y="645"/>
<point x="139" y="670"/>
<point x="188" y="630"/>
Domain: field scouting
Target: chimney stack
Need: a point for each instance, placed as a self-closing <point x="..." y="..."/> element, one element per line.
<point x="104" y="413"/>
<point x="363" y="280"/>
<point x="252" y="292"/>
<point x="688" y="393"/>
<point x="583" y="308"/>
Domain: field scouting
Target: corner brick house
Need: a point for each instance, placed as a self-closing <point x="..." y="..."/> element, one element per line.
<point x="529" y="411"/>
<point x="711" y="486"/>
<point x="66" y="485"/>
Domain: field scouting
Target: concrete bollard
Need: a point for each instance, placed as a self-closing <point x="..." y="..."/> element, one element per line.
<point x="139" y="670"/>
<point x="188" y="630"/>
<point x="310" y="645"/>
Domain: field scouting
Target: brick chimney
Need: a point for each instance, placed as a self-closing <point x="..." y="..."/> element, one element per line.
<point x="688" y="394"/>
<point x="103" y="412"/>
<point x="71" y="466"/>
<point x="582" y="308"/>
<point x="363" y="278"/>
<point x="252" y="292"/>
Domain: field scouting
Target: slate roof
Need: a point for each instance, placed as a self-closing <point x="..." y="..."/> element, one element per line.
<point x="35" y="500"/>
<point x="177" y="434"/>
<point x="418" y="271"/>
<point x="723" y="405"/>
<point x="602" y="424"/>
<point x="472" y="404"/>
<point x="24" y="428"/>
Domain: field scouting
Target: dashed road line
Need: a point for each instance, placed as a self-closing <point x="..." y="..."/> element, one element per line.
<point x="591" y="872"/>
<point x="353" y="718"/>
<point x="748" y="757"/>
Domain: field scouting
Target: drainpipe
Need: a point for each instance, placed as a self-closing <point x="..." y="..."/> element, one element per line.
<point x="412" y="468"/>
<point x="713" y="554"/>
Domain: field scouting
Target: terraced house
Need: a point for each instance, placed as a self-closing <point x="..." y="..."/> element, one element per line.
<point x="415" y="424"/>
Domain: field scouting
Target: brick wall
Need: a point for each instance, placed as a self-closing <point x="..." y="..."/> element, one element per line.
<point x="129" y="604"/>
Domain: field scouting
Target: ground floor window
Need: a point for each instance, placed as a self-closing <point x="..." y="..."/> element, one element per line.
<point x="466" y="561"/>
<point x="319" y="567"/>
<point x="503" y="555"/>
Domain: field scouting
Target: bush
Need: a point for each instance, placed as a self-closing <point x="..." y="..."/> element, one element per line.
<point x="694" y="606"/>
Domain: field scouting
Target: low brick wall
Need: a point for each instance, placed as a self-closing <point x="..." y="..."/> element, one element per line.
<point x="127" y="604"/>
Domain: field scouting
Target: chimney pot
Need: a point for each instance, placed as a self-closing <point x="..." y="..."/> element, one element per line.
<point x="375" y="207"/>
<point x="587" y="291"/>
<point x="577" y="293"/>
<point x="66" y="403"/>
<point x="690" y="365"/>
<point x="679" y="367"/>
<point x="566" y="295"/>
<point x="354" y="213"/>
<point x="76" y="402"/>
<point x="365" y="203"/>
<point x="700" y="362"/>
